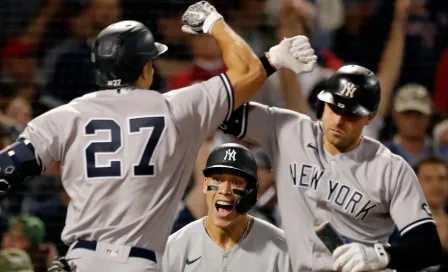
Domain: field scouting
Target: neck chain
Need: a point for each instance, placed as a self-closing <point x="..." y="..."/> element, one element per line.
<point x="249" y="219"/>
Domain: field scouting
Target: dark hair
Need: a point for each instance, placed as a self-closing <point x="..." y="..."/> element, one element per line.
<point x="430" y="159"/>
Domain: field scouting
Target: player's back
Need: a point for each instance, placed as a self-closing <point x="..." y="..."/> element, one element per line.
<point x="124" y="168"/>
<point x="127" y="156"/>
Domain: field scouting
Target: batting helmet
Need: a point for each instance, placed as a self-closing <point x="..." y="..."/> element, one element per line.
<point x="239" y="159"/>
<point x="121" y="51"/>
<point x="353" y="89"/>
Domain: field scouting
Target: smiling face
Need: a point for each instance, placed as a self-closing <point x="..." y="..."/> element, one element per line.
<point x="221" y="201"/>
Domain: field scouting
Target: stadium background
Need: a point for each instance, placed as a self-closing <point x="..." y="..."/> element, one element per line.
<point x="45" y="62"/>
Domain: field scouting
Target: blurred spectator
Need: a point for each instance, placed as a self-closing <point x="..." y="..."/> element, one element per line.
<point x="432" y="173"/>
<point x="19" y="62"/>
<point x="178" y="57"/>
<point x="18" y="56"/>
<point x="267" y="196"/>
<point x="79" y="28"/>
<point x="412" y="111"/>
<point x="20" y="111"/>
<point x="207" y="63"/>
<point x="15" y="260"/>
<point x="53" y="213"/>
<point x="440" y="96"/>
<point x="440" y="137"/>
<point x="27" y="233"/>
<point x="73" y="73"/>
<point x="247" y="17"/>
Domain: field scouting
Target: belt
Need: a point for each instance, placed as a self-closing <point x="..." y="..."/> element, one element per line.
<point x="136" y="252"/>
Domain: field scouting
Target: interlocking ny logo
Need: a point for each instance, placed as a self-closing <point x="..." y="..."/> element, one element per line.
<point x="230" y="155"/>
<point x="349" y="89"/>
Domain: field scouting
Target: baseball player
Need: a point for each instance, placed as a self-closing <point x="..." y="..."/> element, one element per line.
<point x="228" y="239"/>
<point x="126" y="153"/>
<point x="327" y="171"/>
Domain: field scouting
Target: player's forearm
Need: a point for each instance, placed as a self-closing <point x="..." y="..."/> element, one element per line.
<point x="244" y="68"/>
<point x="419" y="248"/>
<point x="292" y="92"/>
<point x="391" y="61"/>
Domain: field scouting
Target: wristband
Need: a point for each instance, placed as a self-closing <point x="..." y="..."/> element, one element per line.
<point x="267" y="65"/>
<point x="210" y="21"/>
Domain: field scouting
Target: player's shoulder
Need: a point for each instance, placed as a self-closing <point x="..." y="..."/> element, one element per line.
<point x="383" y="154"/>
<point x="269" y="231"/>
<point x="183" y="235"/>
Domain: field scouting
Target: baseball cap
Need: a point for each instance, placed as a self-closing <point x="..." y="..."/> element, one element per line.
<point x="15" y="260"/>
<point x="31" y="226"/>
<point x="413" y="97"/>
<point x="17" y="48"/>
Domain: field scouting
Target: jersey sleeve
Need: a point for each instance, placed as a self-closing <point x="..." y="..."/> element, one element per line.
<point x="44" y="132"/>
<point x="408" y="206"/>
<point x="198" y="110"/>
<point x="260" y="124"/>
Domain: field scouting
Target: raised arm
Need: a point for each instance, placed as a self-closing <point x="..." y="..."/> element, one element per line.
<point x="247" y="72"/>
<point x="392" y="58"/>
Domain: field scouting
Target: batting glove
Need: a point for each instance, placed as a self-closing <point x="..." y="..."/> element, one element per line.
<point x="60" y="264"/>
<point x="355" y="257"/>
<point x="200" y="18"/>
<point x="293" y="53"/>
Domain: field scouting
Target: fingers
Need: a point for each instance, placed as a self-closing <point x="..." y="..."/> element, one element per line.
<point x="340" y="250"/>
<point x="187" y="29"/>
<point x="308" y="67"/>
<point x="303" y="53"/>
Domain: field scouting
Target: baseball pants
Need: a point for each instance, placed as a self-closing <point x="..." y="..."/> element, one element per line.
<point x="87" y="256"/>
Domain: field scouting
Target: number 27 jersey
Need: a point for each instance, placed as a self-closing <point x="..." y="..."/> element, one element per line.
<point x="126" y="157"/>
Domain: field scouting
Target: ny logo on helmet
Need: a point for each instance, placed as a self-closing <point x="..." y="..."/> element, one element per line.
<point x="349" y="89"/>
<point x="230" y="155"/>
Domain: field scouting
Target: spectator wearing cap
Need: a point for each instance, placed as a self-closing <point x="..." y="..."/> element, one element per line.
<point x="440" y="137"/>
<point x="25" y="233"/>
<point x="15" y="260"/>
<point x="412" y="112"/>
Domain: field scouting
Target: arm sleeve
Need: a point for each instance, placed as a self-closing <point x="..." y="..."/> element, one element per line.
<point x="408" y="196"/>
<point x="417" y="249"/>
<point x="198" y="110"/>
<point x="44" y="133"/>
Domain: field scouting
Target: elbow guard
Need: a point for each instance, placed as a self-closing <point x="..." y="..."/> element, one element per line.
<point x="18" y="162"/>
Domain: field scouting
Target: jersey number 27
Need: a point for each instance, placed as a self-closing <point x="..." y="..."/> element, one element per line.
<point x="156" y="126"/>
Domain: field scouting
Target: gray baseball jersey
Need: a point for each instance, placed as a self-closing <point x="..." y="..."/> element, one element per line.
<point x="126" y="157"/>
<point x="363" y="193"/>
<point x="191" y="249"/>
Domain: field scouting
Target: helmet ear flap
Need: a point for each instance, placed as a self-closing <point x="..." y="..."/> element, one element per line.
<point x="245" y="203"/>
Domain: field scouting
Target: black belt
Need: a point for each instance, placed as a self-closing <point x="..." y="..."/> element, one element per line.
<point x="135" y="251"/>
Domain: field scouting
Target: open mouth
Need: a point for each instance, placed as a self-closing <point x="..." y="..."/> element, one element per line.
<point x="224" y="208"/>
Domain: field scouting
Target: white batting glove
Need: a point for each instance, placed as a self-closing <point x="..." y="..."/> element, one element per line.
<point x="356" y="257"/>
<point x="293" y="53"/>
<point x="200" y="18"/>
